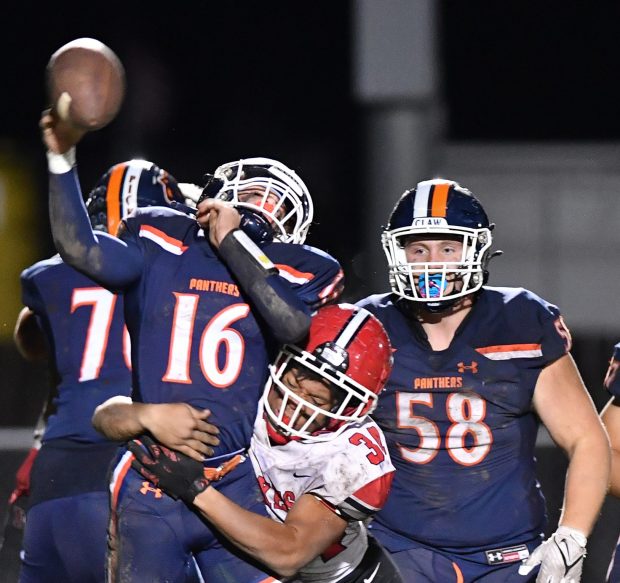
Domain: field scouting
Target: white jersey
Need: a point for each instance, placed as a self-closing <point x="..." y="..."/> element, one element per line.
<point x="351" y="473"/>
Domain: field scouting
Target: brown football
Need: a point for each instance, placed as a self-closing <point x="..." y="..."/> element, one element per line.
<point x="85" y="83"/>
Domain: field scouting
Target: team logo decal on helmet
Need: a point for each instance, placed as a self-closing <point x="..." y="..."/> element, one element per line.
<point x="127" y="186"/>
<point x="349" y="348"/>
<point x="438" y="209"/>
<point x="275" y="192"/>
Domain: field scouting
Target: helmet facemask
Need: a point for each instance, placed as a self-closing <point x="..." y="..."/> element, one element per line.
<point x="435" y="282"/>
<point x="350" y="400"/>
<point x="277" y="193"/>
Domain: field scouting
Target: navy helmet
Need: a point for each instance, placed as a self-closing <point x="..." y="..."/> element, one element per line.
<point x="435" y="209"/>
<point x="127" y="186"/>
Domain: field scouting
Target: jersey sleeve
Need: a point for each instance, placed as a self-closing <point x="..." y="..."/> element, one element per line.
<point x="524" y="327"/>
<point x="612" y="378"/>
<point x="107" y="260"/>
<point x="31" y="296"/>
<point x="316" y="276"/>
<point x="357" y="478"/>
<point x="555" y="337"/>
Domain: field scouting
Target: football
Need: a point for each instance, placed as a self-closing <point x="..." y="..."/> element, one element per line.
<point x="85" y="83"/>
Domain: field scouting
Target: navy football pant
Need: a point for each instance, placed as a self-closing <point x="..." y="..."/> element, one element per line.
<point x="65" y="540"/>
<point x="153" y="537"/>
<point x="421" y="564"/>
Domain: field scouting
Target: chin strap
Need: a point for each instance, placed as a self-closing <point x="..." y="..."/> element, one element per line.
<point x="438" y="307"/>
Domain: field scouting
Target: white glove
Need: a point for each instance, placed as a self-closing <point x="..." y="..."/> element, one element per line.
<point x="560" y="557"/>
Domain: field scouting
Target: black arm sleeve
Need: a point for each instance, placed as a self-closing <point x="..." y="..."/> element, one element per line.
<point x="286" y="314"/>
<point x="105" y="259"/>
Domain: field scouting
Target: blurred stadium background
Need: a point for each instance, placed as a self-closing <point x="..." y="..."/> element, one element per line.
<point x="516" y="100"/>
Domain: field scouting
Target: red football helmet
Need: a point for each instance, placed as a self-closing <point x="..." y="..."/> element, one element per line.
<point x="349" y="348"/>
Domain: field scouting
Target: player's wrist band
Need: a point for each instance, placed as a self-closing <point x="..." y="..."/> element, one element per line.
<point x="61" y="163"/>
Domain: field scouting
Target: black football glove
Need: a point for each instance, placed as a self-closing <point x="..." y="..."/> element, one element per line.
<point x="177" y="474"/>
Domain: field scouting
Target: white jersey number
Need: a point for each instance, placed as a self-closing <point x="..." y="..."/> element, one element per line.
<point x="466" y="412"/>
<point x="217" y="334"/>
<point x="102" y="302"/>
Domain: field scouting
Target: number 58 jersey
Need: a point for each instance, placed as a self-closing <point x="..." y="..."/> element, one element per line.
<point x="459" y="422"/>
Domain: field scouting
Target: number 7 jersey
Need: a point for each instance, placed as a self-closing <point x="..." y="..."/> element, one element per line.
<point x="460" y="426"/>
<point x="89" y="345"/>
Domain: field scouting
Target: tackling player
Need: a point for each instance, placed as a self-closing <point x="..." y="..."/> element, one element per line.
<point x="204" y="306"/>
<point x="611" y="418"/>
<point x="79" y="327"/>
<point x="476" y="368"/>
<point x="321" y="462"/>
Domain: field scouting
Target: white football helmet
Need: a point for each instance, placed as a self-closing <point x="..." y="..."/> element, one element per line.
<point x="290" y="216"/>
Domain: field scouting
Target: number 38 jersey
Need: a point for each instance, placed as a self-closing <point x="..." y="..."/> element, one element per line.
<point x="83" y="324"/>
<point x="350" y="473"/>
<point x="194" y="336"/>
<point x="459" y="422"/>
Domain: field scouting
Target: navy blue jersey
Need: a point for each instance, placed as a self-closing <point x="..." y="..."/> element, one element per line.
<point x="612" y="378"/>
<point x="194" y="336"/>
<point x="84" y="326"/>
<point x="459" y="422"/>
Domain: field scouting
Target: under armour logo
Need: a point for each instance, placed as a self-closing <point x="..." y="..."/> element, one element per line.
<point x="146" y="488"/>
<point x="494" y="557"/>
<point x="462" y="367"/>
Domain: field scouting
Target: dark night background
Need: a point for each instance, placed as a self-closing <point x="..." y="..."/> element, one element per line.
<point x="209" y="82"/>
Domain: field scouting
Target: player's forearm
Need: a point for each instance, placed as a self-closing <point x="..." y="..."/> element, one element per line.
<point x="286" y="315"/>
<point x="587" y="481"/>
<point x="119" y="419"/>
<point x="105" y="259"/>
<point x="274" y="544"/>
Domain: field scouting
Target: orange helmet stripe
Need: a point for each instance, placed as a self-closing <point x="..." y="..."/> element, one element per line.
<point x="440" y="199"/>
<point x="113" y="197"/>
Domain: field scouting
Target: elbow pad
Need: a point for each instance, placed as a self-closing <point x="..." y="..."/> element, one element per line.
<point x="286" y="315"/>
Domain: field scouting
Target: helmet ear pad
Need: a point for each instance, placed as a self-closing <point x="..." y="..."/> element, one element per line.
<point x="256" y="226"/>
<point x="97" y="208"/>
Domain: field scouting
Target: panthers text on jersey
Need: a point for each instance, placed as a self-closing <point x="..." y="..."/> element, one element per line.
<point x="350" y="473"/>
<point x="460" y="426"/>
